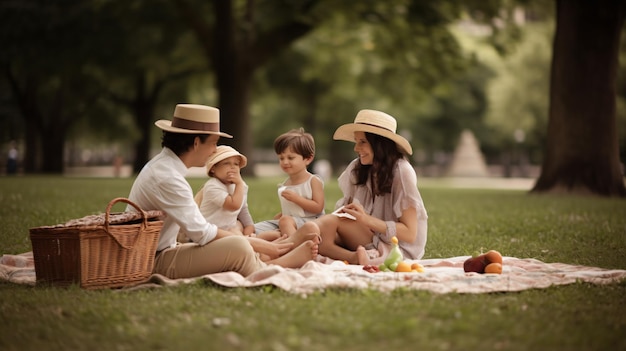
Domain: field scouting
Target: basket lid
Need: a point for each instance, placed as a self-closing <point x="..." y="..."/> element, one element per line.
<point x="114" y="218"/>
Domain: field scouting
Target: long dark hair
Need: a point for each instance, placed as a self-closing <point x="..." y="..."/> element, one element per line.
<point x="180" y="143"/>
<point x="380" y="172"/>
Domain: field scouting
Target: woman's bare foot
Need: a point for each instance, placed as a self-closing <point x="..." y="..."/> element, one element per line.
<point x="295" y="258"/>
<point x="361" y="256"/>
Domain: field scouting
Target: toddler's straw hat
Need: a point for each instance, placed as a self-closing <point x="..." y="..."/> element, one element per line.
<point x="193" y="119"/>
<point x="223" y="152"/>
<point x="375" y="122"/>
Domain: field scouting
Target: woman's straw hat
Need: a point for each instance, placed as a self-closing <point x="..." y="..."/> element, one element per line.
<point x="193" y="119"/>
<point x="223" y="152"/>
<point x="375" y="122"/>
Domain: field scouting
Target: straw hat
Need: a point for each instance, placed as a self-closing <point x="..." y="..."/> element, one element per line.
<point x="375" y="122"/>
<point x="193" y="119"/>
<point x="223" y="152"/>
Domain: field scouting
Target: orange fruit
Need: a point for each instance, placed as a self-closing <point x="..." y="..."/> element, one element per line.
<point x="416" y="267"/>
<point x="495" y="268"/>
<point x="403" y="267"/>
<point x="493" y="256"/>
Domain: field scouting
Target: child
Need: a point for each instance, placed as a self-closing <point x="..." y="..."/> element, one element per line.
<point x="302" y="194"/>
<point x="223" y="198"/>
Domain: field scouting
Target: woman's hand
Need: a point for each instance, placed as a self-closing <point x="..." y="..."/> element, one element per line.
<point x="356" y="210"/>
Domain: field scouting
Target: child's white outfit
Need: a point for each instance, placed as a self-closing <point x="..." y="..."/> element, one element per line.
<point x="289" y="208"/>
<point x="212" y="205"/>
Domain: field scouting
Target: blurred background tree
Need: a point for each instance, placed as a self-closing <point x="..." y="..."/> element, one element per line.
<point x="43" y="61"/>
<point x="152" y="56"/>
<point x="582" y="148"/>
<point x="100" y="72"/>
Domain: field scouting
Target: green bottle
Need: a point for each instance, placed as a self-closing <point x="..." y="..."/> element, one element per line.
<point x="393" y="258"/>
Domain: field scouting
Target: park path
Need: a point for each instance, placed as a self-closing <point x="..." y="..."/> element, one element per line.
<point x="452" y="182"/>
<point x="479" y="183"/>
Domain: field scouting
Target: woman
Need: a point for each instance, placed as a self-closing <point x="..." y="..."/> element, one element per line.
<point x="380" y="196"/>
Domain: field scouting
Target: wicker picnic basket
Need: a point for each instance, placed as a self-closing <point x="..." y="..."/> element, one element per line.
<point x="109" y="250"/>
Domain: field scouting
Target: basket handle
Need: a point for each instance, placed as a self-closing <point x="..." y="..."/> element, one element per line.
<point x="144" y="224"/>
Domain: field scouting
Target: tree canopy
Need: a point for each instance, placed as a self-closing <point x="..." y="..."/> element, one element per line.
<point x="109" y="69"/>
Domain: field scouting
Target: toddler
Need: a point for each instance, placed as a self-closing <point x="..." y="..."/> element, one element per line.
<point x="301" y="195"/>
<point x="223" y="201"/>
<point x="223" y="198"/>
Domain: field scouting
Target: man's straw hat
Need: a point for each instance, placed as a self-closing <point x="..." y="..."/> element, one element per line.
<point x="193" y="119"/>
<point x="375" y="122"/>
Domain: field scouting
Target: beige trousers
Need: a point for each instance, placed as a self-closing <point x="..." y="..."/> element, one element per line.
<point x="188" y="260"/>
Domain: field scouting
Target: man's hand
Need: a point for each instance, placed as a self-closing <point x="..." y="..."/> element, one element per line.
<point x="273" y="249"/>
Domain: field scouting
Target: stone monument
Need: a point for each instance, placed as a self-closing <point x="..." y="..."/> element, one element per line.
<point x="468" y="160"/>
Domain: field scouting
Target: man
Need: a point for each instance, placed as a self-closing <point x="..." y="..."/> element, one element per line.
<point x="188" y="141"/>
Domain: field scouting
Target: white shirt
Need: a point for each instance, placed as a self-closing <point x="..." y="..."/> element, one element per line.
<point x="390" y="206"/>
<point x="161" y="185"/>
<point x="212" y="206"/>
<point x="305" y="190"/>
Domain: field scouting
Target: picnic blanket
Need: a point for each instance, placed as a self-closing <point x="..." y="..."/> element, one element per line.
<point x="441" y="275"/>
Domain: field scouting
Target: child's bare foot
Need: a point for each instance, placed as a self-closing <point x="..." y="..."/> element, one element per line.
<point x="362" y="257"/>
<point x="308" y="231"/>
<point x="307" y="251"/>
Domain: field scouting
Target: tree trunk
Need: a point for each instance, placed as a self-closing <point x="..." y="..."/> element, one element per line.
<point x="45" y="131"/>
<point x="236" y="51"/>
<point x="582" y="152"/>
<point x="25" y="97"/>
<point x="233" y="75"/>
<point x="144" y="112"/>
<point x="32" y="156"/>
<point x="143" y="106"/>
<point x="234" y="104"/>
<point x="45" y="144"/>
<point x="52" y="150"/>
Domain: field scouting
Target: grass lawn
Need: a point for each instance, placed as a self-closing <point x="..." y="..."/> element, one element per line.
<point x="575" y="230"/>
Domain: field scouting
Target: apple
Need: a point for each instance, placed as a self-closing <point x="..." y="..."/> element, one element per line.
<point x="475" y="264"/>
